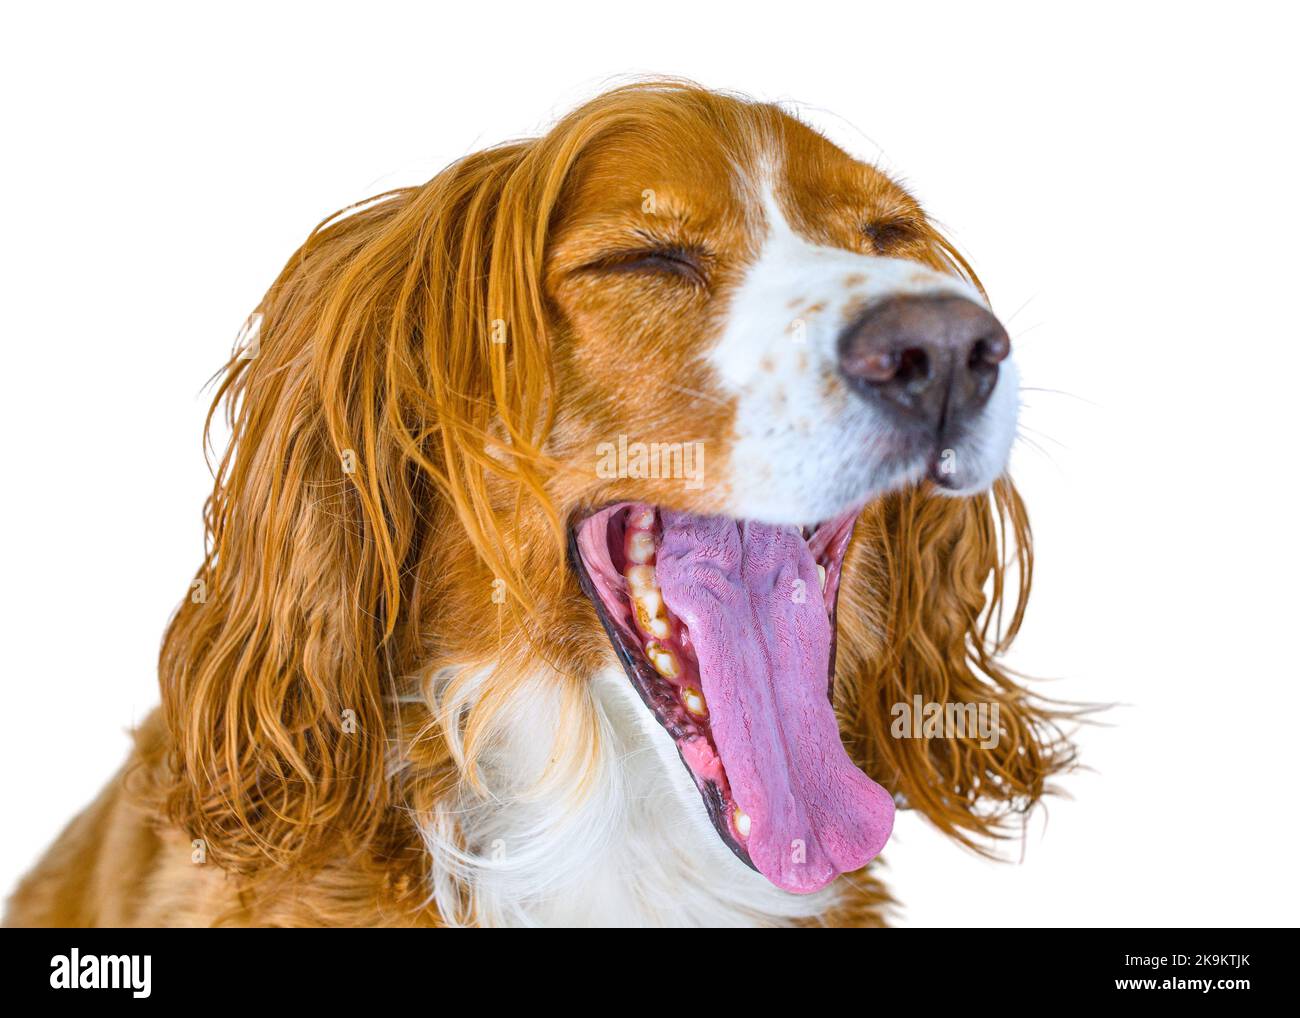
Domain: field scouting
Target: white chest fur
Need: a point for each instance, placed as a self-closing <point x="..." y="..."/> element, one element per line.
<point x="620" y="840"/>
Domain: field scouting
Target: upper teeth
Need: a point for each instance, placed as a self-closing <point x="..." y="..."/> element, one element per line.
<point x="649" y="610"/>
<point x="641" y="517"/>
<point x="647" y="602"/>
<point x="640" y="546"/>
<point x="641" y="578"/>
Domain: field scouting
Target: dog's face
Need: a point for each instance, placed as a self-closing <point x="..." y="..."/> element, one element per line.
<point x="757" y="337"/>
<point x="783" y="305"/>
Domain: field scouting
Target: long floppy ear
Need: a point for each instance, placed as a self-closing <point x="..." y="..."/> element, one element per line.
<point x="396" y="385"/>
<point x="939" y="567"/>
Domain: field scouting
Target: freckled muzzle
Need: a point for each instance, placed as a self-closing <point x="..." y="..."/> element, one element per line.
<point x="726" y="629"/>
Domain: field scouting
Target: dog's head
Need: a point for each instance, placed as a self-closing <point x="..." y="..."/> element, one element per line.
<point x="684" y="355"/>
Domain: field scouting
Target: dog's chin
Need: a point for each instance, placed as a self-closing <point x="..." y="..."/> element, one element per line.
<point x="953" y="474"/>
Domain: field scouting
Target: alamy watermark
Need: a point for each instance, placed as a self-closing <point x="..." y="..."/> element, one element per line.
<point x="922" y="720"/>
<point x="683" y="461"/>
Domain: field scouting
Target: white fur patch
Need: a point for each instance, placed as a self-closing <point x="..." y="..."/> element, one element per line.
<point x="633" y="847"/>
<point x="806" y="448"/>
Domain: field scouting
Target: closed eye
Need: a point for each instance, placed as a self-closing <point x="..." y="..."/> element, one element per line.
<point x="680" y="262"/>
<point x="885" y="234"/>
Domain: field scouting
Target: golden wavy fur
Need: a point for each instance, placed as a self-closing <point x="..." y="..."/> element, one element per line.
<point x="393" y="465"/>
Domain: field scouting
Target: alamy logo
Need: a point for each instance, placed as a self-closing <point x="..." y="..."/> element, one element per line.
<point x="921" y="720"/>
<point x="101" y="972"/>
<point x="682" y="461"/>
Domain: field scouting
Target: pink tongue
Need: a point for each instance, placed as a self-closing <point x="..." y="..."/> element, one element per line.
<point x="763" y="645"/>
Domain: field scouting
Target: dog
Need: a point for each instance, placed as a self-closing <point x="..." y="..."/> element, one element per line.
<point x="588" y="513"/>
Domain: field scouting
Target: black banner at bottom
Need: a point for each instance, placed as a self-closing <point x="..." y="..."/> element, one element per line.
<point x="1224" y="969"/>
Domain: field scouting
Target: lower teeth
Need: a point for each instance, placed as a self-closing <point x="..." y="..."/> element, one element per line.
<point x="664" y="660"/>
<point x="741" y="820"/>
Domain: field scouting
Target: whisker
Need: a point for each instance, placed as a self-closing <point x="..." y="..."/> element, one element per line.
<point x="1044" y="435"/>
<point x="1021" y="437"/>
<point x="1017" y="311"/>
<point x="1058" y="392"/>
<point x="698" y="395"/>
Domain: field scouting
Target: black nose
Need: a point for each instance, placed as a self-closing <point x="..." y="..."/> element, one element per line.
<point x="936" y="358"/>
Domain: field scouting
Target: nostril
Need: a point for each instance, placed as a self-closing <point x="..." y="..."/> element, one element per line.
<point x="913" y="365"/>
<point x="989" y="351"/>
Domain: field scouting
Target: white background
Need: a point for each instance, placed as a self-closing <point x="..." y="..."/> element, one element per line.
<point x="1124" y="180"/>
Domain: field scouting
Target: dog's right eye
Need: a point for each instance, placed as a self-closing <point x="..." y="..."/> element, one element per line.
<point x="887" y="234"/>
<point x="666" y="261"/>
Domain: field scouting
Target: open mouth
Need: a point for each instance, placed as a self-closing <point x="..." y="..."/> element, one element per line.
<point x="727" y="631"/>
